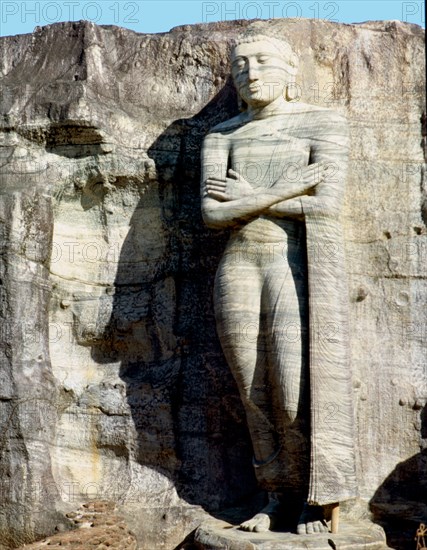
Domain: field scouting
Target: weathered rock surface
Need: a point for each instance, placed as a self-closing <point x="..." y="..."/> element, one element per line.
<point x="113" y="385"/>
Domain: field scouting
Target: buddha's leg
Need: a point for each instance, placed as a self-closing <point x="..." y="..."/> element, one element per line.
<point x="285" y="307"/>
<point x="238" y="289"/>
<point x="237" y="300"/>
<point x="285" y="302"/>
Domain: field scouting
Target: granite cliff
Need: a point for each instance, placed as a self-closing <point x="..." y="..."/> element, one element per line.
<point x="112" y="382"/>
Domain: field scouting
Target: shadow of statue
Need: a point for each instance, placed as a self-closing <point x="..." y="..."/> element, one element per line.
<point x="399" y="505"/>
<point x="184" y="404"/>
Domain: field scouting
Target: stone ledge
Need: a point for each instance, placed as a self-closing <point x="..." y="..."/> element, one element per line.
<point x="220" y="535"/>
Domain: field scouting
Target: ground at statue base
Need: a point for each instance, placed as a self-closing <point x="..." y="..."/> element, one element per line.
<point x="97" y="527"/>
<point x="220" y="535"/>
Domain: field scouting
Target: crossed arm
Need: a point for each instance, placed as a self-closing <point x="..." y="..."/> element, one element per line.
<point x="233" y="198"/>
<point x="227" y="198"/>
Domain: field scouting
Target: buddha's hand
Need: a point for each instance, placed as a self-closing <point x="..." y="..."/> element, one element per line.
<point x="300" y="180"/>
<point x="229" y="189"/>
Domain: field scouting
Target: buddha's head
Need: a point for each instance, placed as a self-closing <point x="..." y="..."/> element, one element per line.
<point x="263" y="69"/>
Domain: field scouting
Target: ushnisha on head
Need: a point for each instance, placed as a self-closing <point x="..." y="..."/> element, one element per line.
<point x="263" y="69"/>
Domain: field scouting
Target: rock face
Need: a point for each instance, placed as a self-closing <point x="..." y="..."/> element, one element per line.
<point x="113" y="385"/>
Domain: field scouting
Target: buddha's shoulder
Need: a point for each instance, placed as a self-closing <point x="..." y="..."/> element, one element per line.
<point x="317" y="112"/>
<point x="302" y="114"/>
<point x="319" y="122"/>
<point x="228" y="125"/>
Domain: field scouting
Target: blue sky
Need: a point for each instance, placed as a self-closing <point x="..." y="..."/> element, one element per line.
<point x="149" y="16"/>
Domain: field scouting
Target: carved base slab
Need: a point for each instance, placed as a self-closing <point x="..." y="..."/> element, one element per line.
<point x="218" y="535"/>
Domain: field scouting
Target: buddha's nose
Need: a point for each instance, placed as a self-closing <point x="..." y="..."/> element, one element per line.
<point x="253" y="73"/>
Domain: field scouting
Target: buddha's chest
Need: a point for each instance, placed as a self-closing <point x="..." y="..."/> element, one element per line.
<point x="262" y="154"/>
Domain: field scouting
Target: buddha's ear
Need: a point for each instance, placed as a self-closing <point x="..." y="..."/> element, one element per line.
<point x="293" y="63"/>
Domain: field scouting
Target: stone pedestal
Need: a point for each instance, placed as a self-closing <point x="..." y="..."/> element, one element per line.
<point x="217" y="535"/>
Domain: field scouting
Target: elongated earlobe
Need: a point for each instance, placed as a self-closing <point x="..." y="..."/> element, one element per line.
<point x="292" y="92"/>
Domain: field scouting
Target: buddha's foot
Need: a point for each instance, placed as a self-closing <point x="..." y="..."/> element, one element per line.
<point x="264" y="520"/>
<point x="312" y="520"/>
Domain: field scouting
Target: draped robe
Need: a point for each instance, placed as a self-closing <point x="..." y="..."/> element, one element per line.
<point x="275" y="146"/>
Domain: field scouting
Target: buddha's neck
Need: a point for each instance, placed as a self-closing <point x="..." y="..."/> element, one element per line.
<point x="280" y="105"/>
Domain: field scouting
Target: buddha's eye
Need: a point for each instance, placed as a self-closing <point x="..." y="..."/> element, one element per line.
<point x="262" y="59"/>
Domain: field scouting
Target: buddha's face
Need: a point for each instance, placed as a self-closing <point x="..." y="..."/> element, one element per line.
<point x="260" y="72"/>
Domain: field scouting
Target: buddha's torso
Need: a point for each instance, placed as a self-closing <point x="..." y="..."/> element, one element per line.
<point x="262" y="151"/>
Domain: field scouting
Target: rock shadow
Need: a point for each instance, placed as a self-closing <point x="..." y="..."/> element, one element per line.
<point x="400" y="503"/>
<point x="184" y="403"/>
